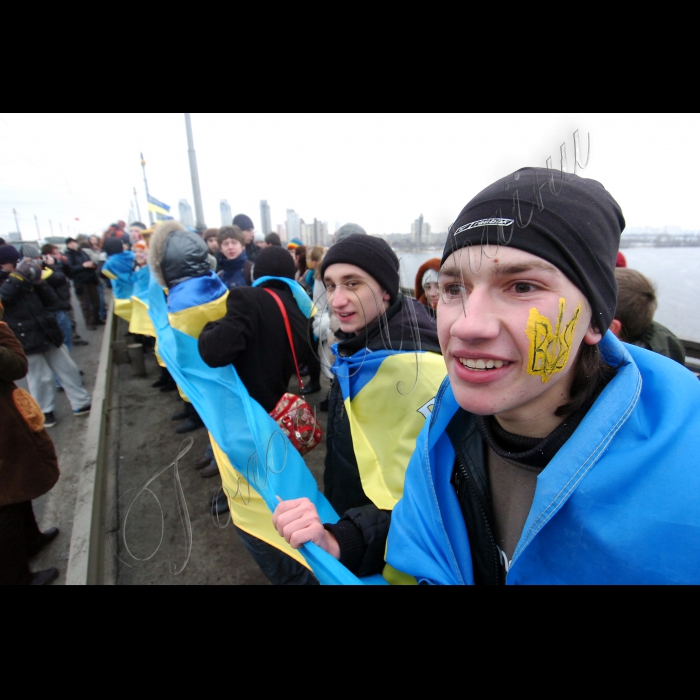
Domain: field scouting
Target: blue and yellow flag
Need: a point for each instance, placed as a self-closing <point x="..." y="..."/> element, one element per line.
<point x="257" y="461"/>
<point x="140" y="322"/>
<point x="162" y="211"/>
<point x="388" y="396"/>
<point x="120" y="268"/>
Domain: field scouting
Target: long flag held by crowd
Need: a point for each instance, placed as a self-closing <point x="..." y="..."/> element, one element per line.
<point x="256" y="449"/>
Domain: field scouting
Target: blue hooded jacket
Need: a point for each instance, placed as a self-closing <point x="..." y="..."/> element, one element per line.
<point x="618" y="503"/>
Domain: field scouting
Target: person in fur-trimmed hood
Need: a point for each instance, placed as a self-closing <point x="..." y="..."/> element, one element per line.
<point x="426" y="289"/>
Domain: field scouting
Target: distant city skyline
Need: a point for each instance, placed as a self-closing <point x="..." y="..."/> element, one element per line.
<point x="78" y="172"/>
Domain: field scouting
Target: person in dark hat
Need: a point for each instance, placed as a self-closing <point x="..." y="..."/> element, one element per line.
<point x="386" y="374"/>
<point x="245" y="223"/>
<point x="554" y="454"/>
<point x="252" y="336"/>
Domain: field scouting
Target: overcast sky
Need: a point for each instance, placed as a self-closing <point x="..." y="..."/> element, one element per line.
<point x="381" y="171"/>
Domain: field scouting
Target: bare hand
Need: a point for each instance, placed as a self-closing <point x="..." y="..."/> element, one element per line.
<point x="297" y="521"/>
<point x="88" y="263"/>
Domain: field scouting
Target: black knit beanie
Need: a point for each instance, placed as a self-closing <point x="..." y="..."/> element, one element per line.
<point x="274" y="261"/>
<point x="9" y="254"/>
<point x="371" y="254"/>
<point x="245" y="223"/>
<point x="575" y="224"/>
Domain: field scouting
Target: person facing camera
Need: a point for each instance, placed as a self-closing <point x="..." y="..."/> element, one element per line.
<point x="554" y="453"/>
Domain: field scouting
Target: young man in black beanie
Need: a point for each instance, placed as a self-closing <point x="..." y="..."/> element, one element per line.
<point x="555" y="454"/>
<point x="245" y="223"/>
<point x="386" y="374"/>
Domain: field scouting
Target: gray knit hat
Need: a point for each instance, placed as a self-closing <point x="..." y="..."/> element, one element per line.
<point x="347" y="230"/>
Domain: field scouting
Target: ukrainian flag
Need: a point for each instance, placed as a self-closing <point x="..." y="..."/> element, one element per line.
<point x="120" y="268"/>
<point x="162" y="211"/>
<point x="257" y="461"/>
<point x="140" y="322"/>
<point x="388" y="396"/>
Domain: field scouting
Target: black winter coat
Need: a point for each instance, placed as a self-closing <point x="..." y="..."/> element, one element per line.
<point x="81" y="275"/>
<point x="27" y="312"/>
<point x="363" y="529"/>
<point x="253" y="338"/>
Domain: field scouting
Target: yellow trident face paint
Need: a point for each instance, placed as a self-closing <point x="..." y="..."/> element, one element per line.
<point x="549" y="350"/>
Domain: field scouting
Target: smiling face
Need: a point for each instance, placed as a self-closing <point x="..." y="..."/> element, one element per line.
<point x="231" y="248"/>
<point x="510" y="325"/>
<point x="432" y="293"/>
<point x="355" y="297"/>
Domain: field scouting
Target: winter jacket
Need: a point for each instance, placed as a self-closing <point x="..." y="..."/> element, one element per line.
<point x="253" y="338"/>
<point x="236" y="272"/>
<point x="660" y="339"/>
<point x="54" y="277"/>
<point x="362" y="531"/>
<point x="81" y="275"/>
<point x="616" y="505"/>
<point x="28" y="312"/>
<point x="28" y="463"/>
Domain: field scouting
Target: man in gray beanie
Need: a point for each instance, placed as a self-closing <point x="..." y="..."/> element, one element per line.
<point x="555" y="454"/>
<point x="389" y="350"/>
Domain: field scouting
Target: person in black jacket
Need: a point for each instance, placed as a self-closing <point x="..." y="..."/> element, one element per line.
<point x="252" y="337"/>
<point x="361" y="275"/>
<point x="28" y="301"/>
<point x="85" y="281"/>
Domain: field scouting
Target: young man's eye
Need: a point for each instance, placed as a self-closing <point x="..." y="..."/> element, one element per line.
<point x="452" y="290"/>
<point x="523" y="287"/>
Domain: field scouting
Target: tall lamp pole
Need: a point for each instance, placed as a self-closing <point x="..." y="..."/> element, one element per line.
<point x="38" y="234"/>
<point x="199" y="212"/>
<point x="14" y="211"/>
<point x="136" y="200"/>
<point x="145" y="183"/>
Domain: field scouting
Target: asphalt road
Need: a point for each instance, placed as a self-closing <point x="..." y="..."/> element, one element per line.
<point x="150" y="546"/>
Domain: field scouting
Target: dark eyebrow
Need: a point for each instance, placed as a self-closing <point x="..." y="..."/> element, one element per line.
<point x="505" y="269"/>
<point x="344" y="278"/>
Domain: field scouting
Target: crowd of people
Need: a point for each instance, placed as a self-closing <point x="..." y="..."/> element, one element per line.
<point x="488" y="429"/>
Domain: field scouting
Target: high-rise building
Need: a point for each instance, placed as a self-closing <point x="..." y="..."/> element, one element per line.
<point x="282" y="232"/>
<point x="226" y="215"/>
<point x="293" y="225"/>
<point x="420" y="232"/>
<point x="265" y="216"/>
<point x="185" y="210"/>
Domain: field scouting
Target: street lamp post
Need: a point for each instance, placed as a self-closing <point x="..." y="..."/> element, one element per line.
<point x="199" y="212"/>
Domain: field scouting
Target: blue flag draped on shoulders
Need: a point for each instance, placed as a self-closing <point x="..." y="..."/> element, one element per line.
<point x="140" y="322"/>
<point x="119" y="268"/>
<point x="257" y="461"/>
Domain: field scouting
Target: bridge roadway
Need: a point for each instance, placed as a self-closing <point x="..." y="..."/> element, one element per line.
<point x="140" y="439"/>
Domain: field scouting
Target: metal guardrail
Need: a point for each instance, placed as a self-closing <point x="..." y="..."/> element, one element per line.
<point x="86" y="560"/>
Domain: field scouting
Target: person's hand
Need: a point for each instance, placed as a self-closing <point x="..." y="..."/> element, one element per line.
<point x="49" y="259"/>
<point x="88" y="263"/>
<point x="297" y="521"/>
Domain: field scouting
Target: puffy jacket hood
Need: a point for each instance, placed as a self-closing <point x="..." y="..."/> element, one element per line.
<point x="177" y="254"/>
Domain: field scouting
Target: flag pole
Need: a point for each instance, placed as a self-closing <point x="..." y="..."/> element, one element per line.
<point x="199" y="212"/>
<point x="145" y="183"/>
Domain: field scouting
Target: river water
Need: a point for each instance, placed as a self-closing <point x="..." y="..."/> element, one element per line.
<point x="675" y="271"/>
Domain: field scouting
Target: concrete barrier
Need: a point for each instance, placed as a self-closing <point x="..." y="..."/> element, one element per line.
<point x="88" y="562"/>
